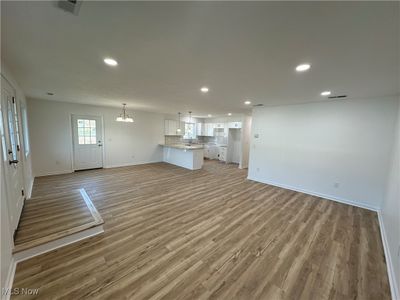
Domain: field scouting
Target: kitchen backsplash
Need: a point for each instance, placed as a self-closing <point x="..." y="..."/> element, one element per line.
<point x="170" y="140"/>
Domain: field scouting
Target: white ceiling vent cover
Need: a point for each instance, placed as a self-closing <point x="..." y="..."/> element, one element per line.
<point x="71" y="6"/>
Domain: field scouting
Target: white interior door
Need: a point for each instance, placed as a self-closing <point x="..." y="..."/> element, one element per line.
<point x="11" y="156"/>
<point x="88" y="142"/>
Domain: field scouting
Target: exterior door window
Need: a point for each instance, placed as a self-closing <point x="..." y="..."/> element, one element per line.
<point x="86" y="132"/>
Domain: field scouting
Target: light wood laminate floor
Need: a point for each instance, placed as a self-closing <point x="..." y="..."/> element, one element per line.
<point x="49" y="217"/>
<point x="171" y="233"/>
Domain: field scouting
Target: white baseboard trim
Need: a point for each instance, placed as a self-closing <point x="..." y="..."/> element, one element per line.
<point x="9" y="280"/>
<point x="53" y="173"/>
<point x="131" y="164"/>
<point x="30" y="188"/>
<point x="394" y="289"/>
<point x="61" y="172"/>
<point x="325" y="196"/>
<point x="50" y="246"/>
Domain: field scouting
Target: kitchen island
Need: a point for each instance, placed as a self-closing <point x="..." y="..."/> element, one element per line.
<point x="189" y="156"/>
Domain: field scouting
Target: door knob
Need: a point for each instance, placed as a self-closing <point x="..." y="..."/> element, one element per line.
<point x="14" y="161"/>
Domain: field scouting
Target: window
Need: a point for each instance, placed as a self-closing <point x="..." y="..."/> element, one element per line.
<point x="25" y="130"/>
<point x="3" y="138"/>
<point x="11" y="129"/>
<point x="86" y="132"/>
<point x="16" y="120"/>
<point x="190" y="131"/>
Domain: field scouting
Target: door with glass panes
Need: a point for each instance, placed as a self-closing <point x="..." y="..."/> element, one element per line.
<point x="87" y="141"/>
<point x="11" y="152"/>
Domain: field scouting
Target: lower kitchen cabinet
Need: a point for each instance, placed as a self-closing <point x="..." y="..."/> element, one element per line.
<point x="222" y="153"/>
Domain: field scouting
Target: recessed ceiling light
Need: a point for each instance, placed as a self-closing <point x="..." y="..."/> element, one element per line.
<point x="229" y="114"/>
<point x="326" y="93"/>
<point x="204" y="89"/>
<point x="247" y="102"/>
<point x="110" y="61"/>
<point x="303" y="67"/>
<point x="209" y="115"/>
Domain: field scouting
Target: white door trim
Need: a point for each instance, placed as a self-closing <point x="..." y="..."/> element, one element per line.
<point x="72" y="137"/>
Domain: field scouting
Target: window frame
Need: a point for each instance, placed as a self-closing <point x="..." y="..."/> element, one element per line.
<point x="193" y="135"/>
<point x="92" y="136"/>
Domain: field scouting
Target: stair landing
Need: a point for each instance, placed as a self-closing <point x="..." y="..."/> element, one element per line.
<point x="51" y="219"/>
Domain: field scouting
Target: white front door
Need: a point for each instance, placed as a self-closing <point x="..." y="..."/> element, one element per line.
<point x="87" y="141"/>
<point x="11" y="156"/>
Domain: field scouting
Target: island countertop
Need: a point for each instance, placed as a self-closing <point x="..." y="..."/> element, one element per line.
<point x="184" y="146"/>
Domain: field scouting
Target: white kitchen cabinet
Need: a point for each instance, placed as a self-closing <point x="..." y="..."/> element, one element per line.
<point x="219" y="125"/>
<point x="205" y="129"/>
<point x="171" y="126"/>
<point x="199" y="129"/>
<point x="206" y="152"/>
<point x="213" y="152"/>
<point x="222" y="153"/>
<point x="202" y="129"/>
<point x="235" y="124"/>
<point x="210" y="151"/>
<point x="226" y="130"/>
<point x="208" y="129"/>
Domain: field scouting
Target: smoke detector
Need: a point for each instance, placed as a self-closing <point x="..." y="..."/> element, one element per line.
<point x="71" y="6"/>
<point x="336" y="97"/>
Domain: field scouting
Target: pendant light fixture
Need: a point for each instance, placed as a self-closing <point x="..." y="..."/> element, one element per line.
<point x="178" y="130"/>
<point x="124" y="117"/>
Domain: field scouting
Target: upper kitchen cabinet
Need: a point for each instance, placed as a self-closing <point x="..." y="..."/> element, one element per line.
<point x="171" y="128"/>
<point x="205" y="129"/>
<point x="209" y="129"/>
<point x="221" y="130"/>
<point x="200" y="129"/>
<point x="235" y="124"/>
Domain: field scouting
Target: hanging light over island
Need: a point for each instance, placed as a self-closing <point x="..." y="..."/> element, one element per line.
<point x="178" y="130"/>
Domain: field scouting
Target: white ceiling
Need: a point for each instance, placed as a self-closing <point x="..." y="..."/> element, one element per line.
<point x="168" y="50"/>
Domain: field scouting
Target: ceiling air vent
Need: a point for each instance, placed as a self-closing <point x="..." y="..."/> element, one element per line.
<point x="71" y="6"/>
<point x="336" y="97"/>
<point x="258" y="105"/>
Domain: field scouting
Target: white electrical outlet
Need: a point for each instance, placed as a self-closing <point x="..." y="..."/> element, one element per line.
<point x="336" y="185"/>
<point x="258" y="169"/>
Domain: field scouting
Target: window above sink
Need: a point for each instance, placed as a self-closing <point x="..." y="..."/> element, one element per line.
<point x="190" y="131"/>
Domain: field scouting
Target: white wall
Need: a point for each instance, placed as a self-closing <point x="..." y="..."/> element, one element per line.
<point x="234" y="145"/>
<point x="312" y="147"/>
<point x="124" y="143"/>
<point x="390" y="211"/>
<point x="246" y="135"/>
